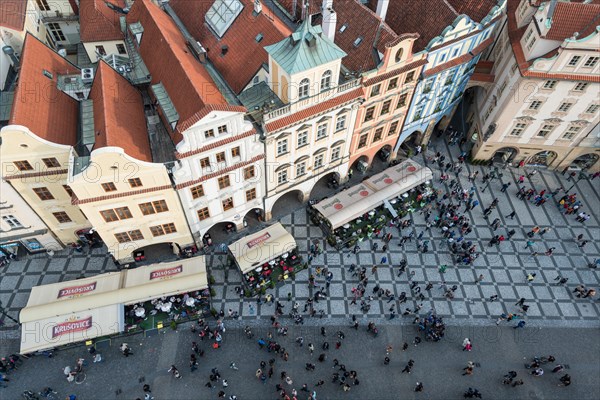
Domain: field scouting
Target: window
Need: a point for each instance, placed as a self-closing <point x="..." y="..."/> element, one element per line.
<point x="399" y="53"/>
<point x="203" y="214"/>
<point x="592" y="109"/>
<point x="123" y="212"/>
<point x="122" y="237"/>
<point x="163" y="229"/>
<point x="573" y="61"/>
<point x="51" y="162"/>
<point x="502" y="88"/>
<point x="443" y="57"/>
<point x="546" y="129"/>
<point x="455" y="52"/>
<point x="528" y="35"/>
<point x="121" y="49"/>
<point x="362" y="141"/>
<point x="409" y="77"/>
<point x="209" y="133"/>
<point x="428" y="85"/>
<point x="154" y="207"/>
<point x="12" y="221"/>
<point x="513" y="68"/>
<point x="385" y="108"/>
<point x="68" y="190"/>
<point x="358" y="41"/>
<point x="369" y="114"/>
<point x="130" y="236"/>
<point x="581" y="86"/>
<point x="326" y="80"/>
<point x="23" y="165"/>
<point x="222" y="129"/>
<point x="204" y="162"/>
<point x="302" y="138"/>
<point x="393" y="128"/>
<point x="109" y="215"/>
<point x="250" y="194"/>
<point x="303" y="88"/>
<point x="531" y="43"/>
<point x="402" y="100"/>
<point x="376" y="90"/>
<point x="227" y="203"/>
<point x="282" y="177"/>
<point x="235" y="152"/>
<point x="335" y="153"/>
<point x="488" y="112"/>
<point x="393" y="84"/>
<point x="135" y="182"/>
<point x="535" y="105"/>
<point x="321" y="131"/>
<point x="100" y="50"/>
<point x="61" y="217"/>
<point x="564" y="107"/>
<point x="378" y="134"/>
<point x="224" y="182"/>
<point x="109" y="187"/>
<point x="136" y="234"/>
<point x="43" y="193"/>
<point x="571" y="132"/>
<point x="300" y="169"/>
<point x="221" y="157"/>
<point x="197" y="191"/>
<point x="591" y="62"/>
<point x="518" y="129"/>
<point x="319" y="161"/>
<point x="57" y="33"/>
<point x="340" y="123"/>
<point x="549" y="84"/>
<point x="43" y="5"/>
<point x="282" y="147"/>
<point x="249" y="172"/>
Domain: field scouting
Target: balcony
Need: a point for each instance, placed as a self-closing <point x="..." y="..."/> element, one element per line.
<point x="312" y="100"/>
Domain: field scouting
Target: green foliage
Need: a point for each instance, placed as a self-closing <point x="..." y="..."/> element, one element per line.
<point x="211" y="279"/>
<point x="213" y="293"/>
<point x="173" y="325"/>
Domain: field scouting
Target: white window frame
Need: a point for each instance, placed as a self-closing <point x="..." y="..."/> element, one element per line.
<point x="571" y="132"/>
<point x="304" y="88"/>
<point x="340" y="123"/>
<point x="322" y="131"/>
<point x="326" y="80"/>
<point x="565" y="106"/>
<point x="282" y="147"/>
<point x="301" y="168"/>
<point x="535" y="105"/>
<point x="581" y="86"/>
<point x="282" y="177"/>
<point x="547" y="129"/>
<point x="12" y="221"/>
<point x="592" y="109"/>
<point x="519" y="127"/>
<point x="302" y="138"/>
<point x="319" y="161"/>
<point x="335" y="153"/>
<point x="574" y="61"/>
<point x="591" y="62"/>
<point x="549" y="84"/>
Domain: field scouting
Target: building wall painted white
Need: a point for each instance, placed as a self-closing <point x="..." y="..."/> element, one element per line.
<point x="110" y="47"/>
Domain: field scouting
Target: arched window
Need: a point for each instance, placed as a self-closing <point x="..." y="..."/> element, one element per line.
<point x="303" y="88"/>
<point x="326" y="80"/>
<point x="399" y="55"/>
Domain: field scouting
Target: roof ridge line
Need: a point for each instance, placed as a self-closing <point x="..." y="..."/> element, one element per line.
<point x="451" y="8"/>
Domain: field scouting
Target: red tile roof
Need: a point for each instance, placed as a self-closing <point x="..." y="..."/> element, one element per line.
<point x="314" y="7"/>
<point x="515" y="34"/>
<point x="569" y="18"/>
<point x="207" y="110"/>
<point x="460" y="60"/>
<point x="245" y="55"/>
<point x="12" y="14"/>
<point x="313" y="111"/>
<point x="431" y="17"/>
<point x="221" y="172"/>
<point x="75" y="200"/>
<point x="214" y="145"/>
<point x="36" y="174"/>
<point x="38" y="103"/>
<point x="98" y="22"/>
<point x="166" y="55"/>
<point x="119" y="118"/>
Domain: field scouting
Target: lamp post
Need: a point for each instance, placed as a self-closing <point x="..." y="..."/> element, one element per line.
<point x="580" y="177"/>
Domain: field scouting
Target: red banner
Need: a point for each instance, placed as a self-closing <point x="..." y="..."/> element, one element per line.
<point x="72" y="326"/>
<point x="258" y="240"/>
<point x="166" y="273"/>
<point x="76" y="290"/>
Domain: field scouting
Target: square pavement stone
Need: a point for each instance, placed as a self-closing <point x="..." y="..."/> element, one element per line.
<point x="429" y="259"/>
<point x="533" y="311"/>
<point x="9" y="282"/>
<point x="542" y="292"/>
<point x="441" y="307"/>
<point x="299" y="231"/>
<point x="50" y="278"/>
<point x="384" y="273"/>
<point x="507" y="292"/>
<point x="336" y="290"/>
<point x="413" y="259"/>
<point x="467" y="275"/>
<point x="29" y="281"/>
<point x="517" y="275"/>
<point x="365" y="259"/>
<point x="495" y="308"/>
<point x="56" y="264"/>
<point x="568" y="309"/>
<point x="338" y="307"/>
<point x="500" y="275"/>
<point x="478" y="310"/>
<point x="334" y="259"/>
<point x="301" y="291"/>
<point x="561" y="292"/>
<point x="524" y="291"/>
<point x="20" y="299"/>
<point x="587" y="310"/>
<point x="471" y="291"/>
<point x="549" y="309"/>
<point x="459" y="308"/>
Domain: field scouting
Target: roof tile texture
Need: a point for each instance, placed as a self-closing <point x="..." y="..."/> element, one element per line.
<point x="569" y="18"/>
<point x="12" y="14"/>
<point x="98" y="22"/>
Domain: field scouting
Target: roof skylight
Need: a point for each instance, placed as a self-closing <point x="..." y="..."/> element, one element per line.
<point x="221" y="15"/>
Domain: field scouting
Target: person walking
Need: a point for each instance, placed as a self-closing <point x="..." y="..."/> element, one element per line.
<point x="505" y="186"/>
<point x="173" y="370"/>
<point x="469" y="368"/>
<point x="529" y="244"/>
<point x="419" y="387"/>
<point x="530" y="277"/>
<point x="479" y="278"/>
<point x="467" y="345"/>
<point x="511" y="215"/>
<point x="544" y="231"/>
<point x="408" y="366"/>
<point x="550" y="251"/>
<point x="521" y="324"/>
<point x="582" y="244"/>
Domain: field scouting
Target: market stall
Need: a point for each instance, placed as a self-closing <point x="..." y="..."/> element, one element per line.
<point x="106" y="304"/>
<point x="266" y="256"/>
<point x="356" y="212"/>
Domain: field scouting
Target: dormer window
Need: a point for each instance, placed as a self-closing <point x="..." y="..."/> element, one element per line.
<point x="358" y="41"/>
<point x="326" y="80"/>
<point x="399" y="54"/>
<point x="303" y="89"/>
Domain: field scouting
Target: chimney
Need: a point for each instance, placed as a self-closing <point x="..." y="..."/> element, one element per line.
<point x="382" y="6"/>
<point x="257" y="7"/>
<point x="329" y="20"/>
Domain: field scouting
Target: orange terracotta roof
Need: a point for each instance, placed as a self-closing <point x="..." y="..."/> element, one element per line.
<point x="220" y="172"/>
<point x="569" y="18"/>
<point x="98" y="22"/>
<point x="119" y="118"/>
<point x="12" y="14"/>
<point x="75" y="200"/>
<point x="166" y="55"/>
<point x="460" y="60"/>
<point x="515" y="34"/>
<point x="36" y="174"/>
<point x="431" y="17"/>
<point x="313" y="111"/>
<point x="207" y="110"/>
<point x="38" y="103"/>
<point x="314" y="7"/>
<point x="214" y="145"/>
<point x="244" y="55"/>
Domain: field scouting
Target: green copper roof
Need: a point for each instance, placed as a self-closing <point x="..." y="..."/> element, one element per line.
<point x="305" y="49"/>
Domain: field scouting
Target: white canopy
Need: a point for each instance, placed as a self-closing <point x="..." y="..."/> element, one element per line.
<point x="262" y="246"/>
<point x="351" y="203"/>
<point x="102" y="298"/>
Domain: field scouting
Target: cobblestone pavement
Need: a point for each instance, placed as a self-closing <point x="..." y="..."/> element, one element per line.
<point x="504" y="268"/>
<point x="496" y="350"/>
